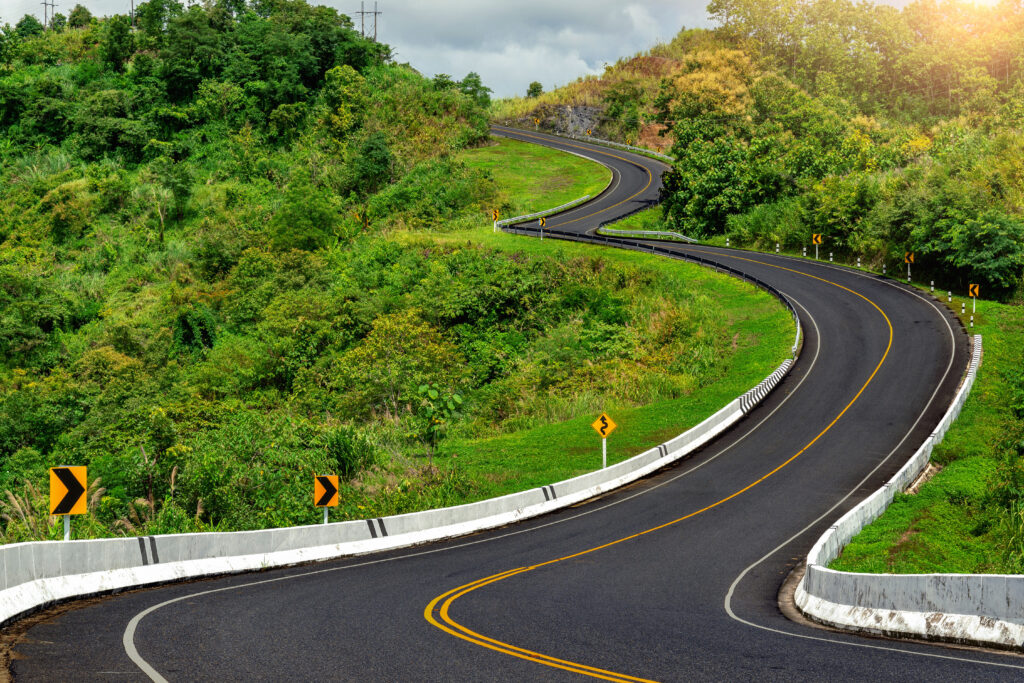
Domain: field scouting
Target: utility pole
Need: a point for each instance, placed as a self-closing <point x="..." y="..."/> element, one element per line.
<point x="47" y="18"/>
<point x="362" y="19"/>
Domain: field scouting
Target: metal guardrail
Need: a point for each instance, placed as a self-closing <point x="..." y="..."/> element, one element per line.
<point x="631" y="148"/>
<point x="648" y="233"/>
<point x="625" y="243"/>
<point x="538" y="214"/>
<point x="601" y="141"/>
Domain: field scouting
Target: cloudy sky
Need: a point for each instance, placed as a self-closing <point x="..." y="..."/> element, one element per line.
<point x="509" y="44"/>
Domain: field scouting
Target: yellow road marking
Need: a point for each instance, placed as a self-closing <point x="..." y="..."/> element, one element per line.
<point x="446" y="599"/>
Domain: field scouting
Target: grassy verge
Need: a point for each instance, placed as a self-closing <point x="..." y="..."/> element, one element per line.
<point x="649" y="219"/>
<point x="760" y="332"/>
<point x="533" y="178"/>
<point x="967" y="518"/>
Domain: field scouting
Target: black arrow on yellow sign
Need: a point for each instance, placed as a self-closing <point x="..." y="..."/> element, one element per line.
<point x="543" y="222"/>
<point x="67" y="486"/>
<point x="325" y="490"/>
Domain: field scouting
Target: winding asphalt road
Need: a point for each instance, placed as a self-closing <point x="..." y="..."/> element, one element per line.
<point x="673" y="578"/>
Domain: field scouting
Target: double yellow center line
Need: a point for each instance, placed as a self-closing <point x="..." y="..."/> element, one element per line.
<point x="437" y="612"/>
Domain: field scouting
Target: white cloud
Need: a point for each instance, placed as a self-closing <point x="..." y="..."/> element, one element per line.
<point x="508" y="43"/>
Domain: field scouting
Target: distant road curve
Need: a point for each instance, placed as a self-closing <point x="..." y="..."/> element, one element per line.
<point x="635" y="184"/>
<point x="674" y="578"/>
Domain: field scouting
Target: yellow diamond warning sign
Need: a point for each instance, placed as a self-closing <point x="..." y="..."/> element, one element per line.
<point x="604" y="425"/>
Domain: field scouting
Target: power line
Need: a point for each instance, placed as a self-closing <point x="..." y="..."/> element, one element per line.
<point x="51" y="6"/>
<point x="362" y="19"/>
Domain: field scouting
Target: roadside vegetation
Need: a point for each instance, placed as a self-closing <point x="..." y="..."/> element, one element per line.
<point x="885" y="130"/>
<point x="529" y="178"/>
<point x="240" y="246"/>
<point x="969" y="517"/>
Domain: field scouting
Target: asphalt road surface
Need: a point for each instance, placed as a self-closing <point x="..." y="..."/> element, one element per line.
<point x="673" y="578"/>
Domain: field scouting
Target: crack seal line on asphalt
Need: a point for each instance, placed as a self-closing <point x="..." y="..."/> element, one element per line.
<point x="448" y="598"/>
<point x="128" y="637"/>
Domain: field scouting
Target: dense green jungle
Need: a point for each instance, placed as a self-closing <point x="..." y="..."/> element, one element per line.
<point x="239" y="243"/>
<point x="884" y="130"/>
<point x="237" y="248"/>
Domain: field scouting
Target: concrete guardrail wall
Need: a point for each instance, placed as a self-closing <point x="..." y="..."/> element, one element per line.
<point x="38" y="574"/>
<point x="965" y="608"/>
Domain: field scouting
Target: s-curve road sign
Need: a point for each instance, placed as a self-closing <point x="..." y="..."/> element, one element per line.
<point x="604" y="425"/>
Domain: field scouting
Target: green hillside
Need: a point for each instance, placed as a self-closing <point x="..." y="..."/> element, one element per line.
<point x="240" y="245"/>
<point x="886" y="130"/>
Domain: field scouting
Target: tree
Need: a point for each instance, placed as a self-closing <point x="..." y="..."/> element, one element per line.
<point x="152" y="18"/>
<point x="373" y="166"/>
<point x="28" y="26"/>
<point x="80" y="17"/>
<point x="159" y="197"/>
<point x="344" y="94"/>
<point x="436" y="409"/>
<point x="535" y="89"/>
<point x="116" y="43"/>
<point x="175" y="177"/>
<point x="472" y="85"/>
<point x="444" y="82"/>
<point x="306" y="220"/>
<point x="59" y="22"/>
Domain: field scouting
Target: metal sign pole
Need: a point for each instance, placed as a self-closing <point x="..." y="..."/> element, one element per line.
<point x="67" y="527"/>
<point x="604" y="452"/>
<point x="325" y="515"/>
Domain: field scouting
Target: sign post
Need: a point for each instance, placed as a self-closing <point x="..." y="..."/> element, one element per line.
<point x="816" y="239"/>
<point x="325" y="492"/>
<point x="67" y="494"/>
<point x="972" y="291"/>
<point x="908" y="258"/>
<point x="604" y="426"/>
<point x="543" y="221"/>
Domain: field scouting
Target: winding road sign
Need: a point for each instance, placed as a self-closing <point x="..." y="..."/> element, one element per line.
<point x="816" y="238"/>
<point x="543" y="221"/>
<point x="495" y="214"/>
<point x="908" y="257"/>
<point x="325" y="490"/>
<point x="972" y="290"/>
<point x="67" y="490"/>
<point x="604" y="425"/>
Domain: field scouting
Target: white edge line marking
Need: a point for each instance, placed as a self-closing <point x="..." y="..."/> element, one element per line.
<point x="128" y="638"/>
<point x="827" y="513"/>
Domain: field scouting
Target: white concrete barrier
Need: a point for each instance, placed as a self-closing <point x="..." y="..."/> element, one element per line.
<point x="37" y="574"/>
<point x="983" y="609"/>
